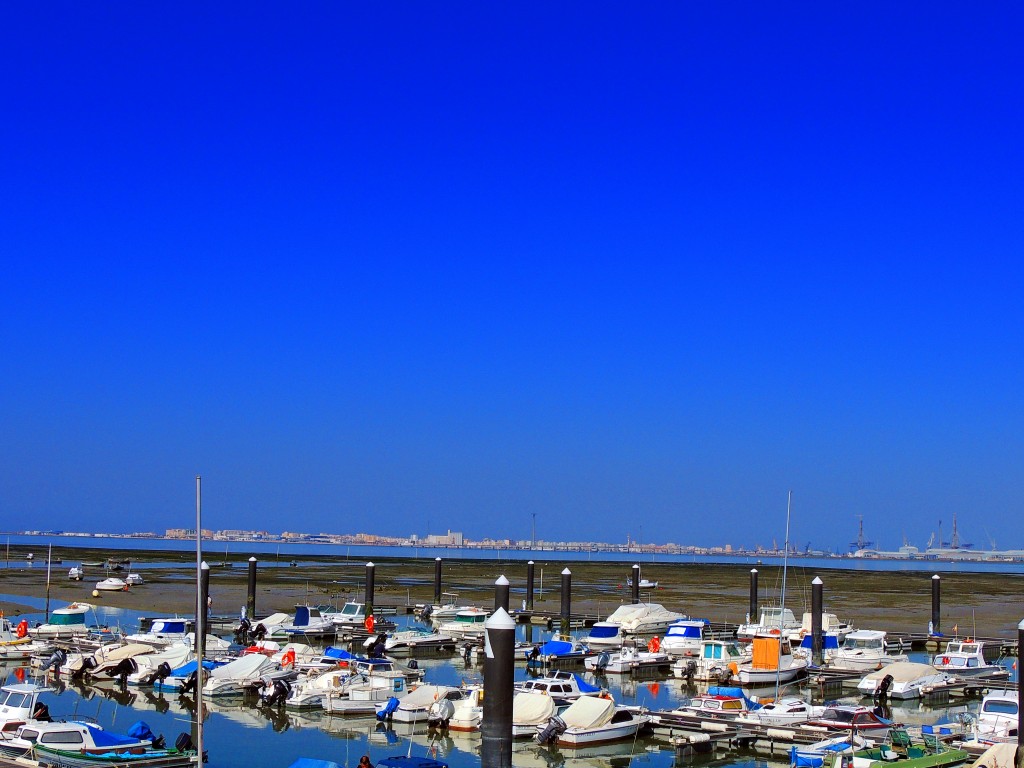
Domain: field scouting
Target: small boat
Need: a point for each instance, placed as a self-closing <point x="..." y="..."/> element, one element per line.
<point x="412" y="640"/>
<point x="967" y="659"/>
<point x="627" y="660"/>
<point x="18" y="705"/>
<point x="864" y="650"/>
<point x="719" y="703"/>
<point x="133" y="580"/>
<point x="16" y="642"/>
<point x="997" y="716"/>
<point x="772" y="617"/>
<point x="788" y="710"/>
<point x="900" y="750"/>
<point x="112" y="584"/>
<point x="235" y="677"/>
<point x="718" y="660"/>
<point x="773" y="662"/>
<point x="644" y="583"/>
<point x="902" y="680"/>
<point x="468" y="624"/>
<point x="466" y="714"/>
<point x="64" y="622"/>
<point x="163" y="632"/>
<point x="647" y="619"/>
<point x="530" y="710"/>
<point x="843" y="717"/>
<point x="78" y="744"/>
<point x="684" y="637"/>
<point x="415" y="705"/>
<point x="557" y="649"/>
<point x="76" y="573"/>
<point x="351" y="616"/>
<point x="308" y="622"/>
<point x="829" y="646"/>
<point x="446" y="610"/>
<point x="561" y="686"/>
<point x="830" y="623"/>
<point x="362" y="694"/>
<point x="151" y="667"/>
<point x="814" y="755"/>
<point x="591" y="720"/>
<point x="112" y="661"/>
<point x="604" y="634"/>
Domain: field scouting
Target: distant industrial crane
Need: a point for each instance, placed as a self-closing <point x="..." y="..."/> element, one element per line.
<point x="861" y="542"/>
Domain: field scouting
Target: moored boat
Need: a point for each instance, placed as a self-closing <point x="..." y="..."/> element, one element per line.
<point x="65" y="622"/>
<point x="902" y="680"/>
<point x="967" y="659"/>
<point x="591" y="720"/>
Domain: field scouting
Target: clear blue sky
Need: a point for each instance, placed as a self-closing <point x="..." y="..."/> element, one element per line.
<point x="412" y="267"/>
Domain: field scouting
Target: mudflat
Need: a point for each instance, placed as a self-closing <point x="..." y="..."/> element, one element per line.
<point x="986" y="604"/>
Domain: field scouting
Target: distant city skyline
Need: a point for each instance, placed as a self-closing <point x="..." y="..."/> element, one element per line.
<point x="409" y="269"/>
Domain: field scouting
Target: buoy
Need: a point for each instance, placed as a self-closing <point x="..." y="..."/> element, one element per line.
<point x="95" y="593"/>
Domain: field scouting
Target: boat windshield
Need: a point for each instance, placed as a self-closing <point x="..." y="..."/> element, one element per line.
<point x="862" y="643"/>
<point x="605" y="631"/>
<point x="67" y="619"/>
<point x="15" y="699"/>
<point x="352" y="609"/>
<point x="1000" y="707"/>
<point x="838" y="715"/>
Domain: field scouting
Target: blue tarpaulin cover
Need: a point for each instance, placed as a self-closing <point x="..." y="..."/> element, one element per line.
<point x="308" y="762"/>
<point x="404" y="761"/>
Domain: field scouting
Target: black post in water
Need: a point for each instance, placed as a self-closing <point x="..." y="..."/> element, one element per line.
<point x="499" y="676"/>
<point x="250" y="601"/>
<point x="368" y="598"/>
<point x="752" y="611"/>
<point x="566" y="600"/>
<point x="1020" y="684"/>
<point x="437" y="581"/>
<point x="817" y="606"/>
<point x="501" y="594"/>
<point x="636" y="583"/>
<point x="204" y="594"/>
<point x="529" y="585"/>
<point x="936" y="605"/>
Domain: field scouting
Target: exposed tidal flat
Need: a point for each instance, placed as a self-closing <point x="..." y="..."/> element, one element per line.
<point x="244" y="733"/>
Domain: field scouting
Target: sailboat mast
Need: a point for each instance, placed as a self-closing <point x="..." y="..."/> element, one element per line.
<point x="785" y="552"/>
<point x="49" y="558"/>
<point x="783" y="638"/>
<point x="200" y="620"/>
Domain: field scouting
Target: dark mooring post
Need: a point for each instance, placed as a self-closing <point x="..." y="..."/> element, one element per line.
<point x="566" y="600"/>
<point x="368" y="597"/>
<point x="501" y="594"/>
<point x="529" y="585"/>
<point x="1020" y="684"/>
<point x="636" y="583"/>
<point x="204" y="594"/>
<point x="437" y="581"/>
<point x="250" y="600"/>
<point x="817" y="606"/>
<point x="499" y="676"/>
<point x="936" y="605"/>
<point x="752" y="610"/>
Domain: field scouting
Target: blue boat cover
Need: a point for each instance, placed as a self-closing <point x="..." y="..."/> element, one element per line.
<point x="734" y="692"/>
<point x="829" y="641"/>
<point x="103" y="738"/>
<point x="585" y="686"/>
<point x="388" y="708"/>
<point x="337" y="653"/>
<point x="556" y="648"/>
<point x="189" y="667"/>
<point x="683" y="630"/>
<point x="608" y="630"/>
<point x="404" y="761"/>
<point x="141" y="731"/>
<point x="301" y="616"/>
<point x="309" y="762"/>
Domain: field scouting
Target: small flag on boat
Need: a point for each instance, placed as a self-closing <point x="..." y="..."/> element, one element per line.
<point x="369" y="623"/>
<point x="956" y="627"/>
<point x="654" y="688"/>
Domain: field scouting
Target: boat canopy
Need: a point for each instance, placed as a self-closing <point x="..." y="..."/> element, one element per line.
<point x="902" y="671"/>
<point x="691" y="629"/>
<point x="532" y="708"/>
<point x="588" y="712"/>
<point x="309" y="762"/>
<point x="584" y="686"/>
<point x="424" y="696"/>
<point x="829" y="641"/>
<point x="603" y="630"/>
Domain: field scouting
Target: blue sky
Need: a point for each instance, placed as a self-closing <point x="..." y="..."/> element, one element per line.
<point x="408" y="268"/>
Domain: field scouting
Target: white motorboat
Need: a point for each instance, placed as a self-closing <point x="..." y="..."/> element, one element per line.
<point x="561" y="686"/>
<point x="236" y="676"/>
<point x="683" y="638"/>
<point x="648" y="619"/>
<point x="591" y="720"/>
<point x="446" y="610"/>
<point x="413" y="640"/>
<point x="604" y="635"/>
<point x="64" y="622"/>
<point x="530" y="710"/>
<point x="864" y="650"/>
<point x="150" y="667"/>
<point x="788" y="710"/>
<point x="468" y="624"/>
<point x="38" y="737"/>
<point x="16" y="642"/>
<point x="997" y="716"/>
<point x="815" y="755"/>
<point x="351" y="616"/>
<point x="133" y="580"/>
<point x="163" y="632"/>
<point x="467" y="713"/>
<point x="830" y="623"/>
<point x="415" y="705"/>
<point x="76" y="573"/>
<point x="308" y="622"/>
<point x="719" y="703"/>
<point x="851" y="718"/>
<point x="967" y="659"/>
<point x="112" y="584"/>
<point x="773" y="662"/>
<point x="718" y="660"/>
<point x="362" y="694"/>
<point x="772" y="617"/>
<point x="644" y="583"/>
<point x="111" y="661"/>
<point x="18" y="704"/>
<point x="906" y="680"/>
<point x="627" y="660"/>
<point x="558" y="648"/>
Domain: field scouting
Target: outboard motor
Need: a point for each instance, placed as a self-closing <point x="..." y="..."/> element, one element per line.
<point x="259" y="633"/>
<point x="275" y="692"/>
<point x="190" y="683"/>
<point x="413" y="664"/>
<point x="602" y="661"/>
<point x="389" y="708"/>
<point x="427" y="611"/>
<point x="440" y="713"/>
<point x="882" y="692"/>
<point x="689" y="672"/>
<point x="184" y="742"/>
<point x="556" y="727"/>
<point x="124" y="668"/>
<point x="41" y="712"/>
<point x="242" y="632"/>
<point x="162" y="672"/>
<point x="56" y="660"/>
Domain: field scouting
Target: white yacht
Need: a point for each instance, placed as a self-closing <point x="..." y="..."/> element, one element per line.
<point x="908" y="679"/>
<point x="967" y="659"/>
<point x="643" y="618"/>
<point x="997" y="716"/>
<point x="864" y="650"/>
<point x="683" y="638"/>
<point x="468" y="624"/>
<point x="64" y="622"/>
<point x="772" y="617"/>
<point x="773" y="662"/>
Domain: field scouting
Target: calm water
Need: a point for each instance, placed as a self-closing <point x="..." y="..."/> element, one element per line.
<point x="271" y="552"/>
<point x="241" y="733"/>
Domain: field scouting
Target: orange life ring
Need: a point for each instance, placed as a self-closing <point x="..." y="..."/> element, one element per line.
<point x="945" y="660"/>
<point x="289" y="658"/>
<point x="775" y="631"/>
<point x="654" y="644"/>
<point x="22" y="628"/>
